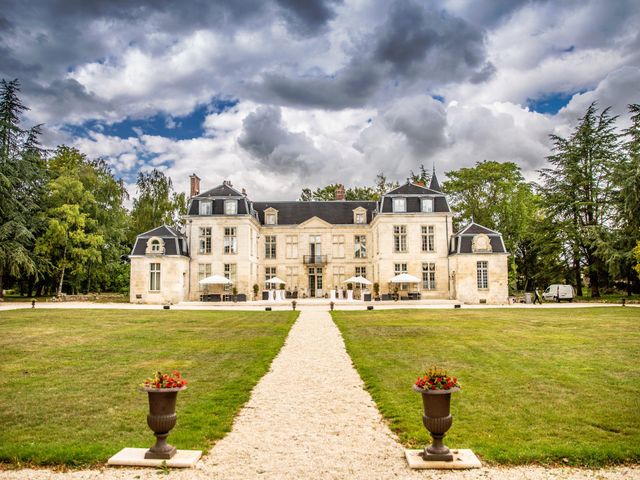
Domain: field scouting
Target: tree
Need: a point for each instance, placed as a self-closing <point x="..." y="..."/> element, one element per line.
<point x="618" y="242"/>
<point x="157" y="203"/>
<point x="70" y="241"/>
<point x="422" y="176"/>
<point x="495" y="195"/>
<point x="578" y="191"/>
<point x="328" y="192"/>
<point x="20" y="181"/>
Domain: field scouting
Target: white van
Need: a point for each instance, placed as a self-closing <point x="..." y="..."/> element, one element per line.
<point x="557" y="292"/>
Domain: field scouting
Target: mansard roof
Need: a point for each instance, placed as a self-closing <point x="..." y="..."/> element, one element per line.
<point x="410" y="188"/>
<point x="334" y="212"/>
<point x="462" y="241"/>
<point x="223" y="190"/>
<point x="175" y="243"/>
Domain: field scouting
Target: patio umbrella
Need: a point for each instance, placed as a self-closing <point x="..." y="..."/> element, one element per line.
<point x="404" y="278"/>
<point x="215" y="280"/>
<point x="276" y="281"/>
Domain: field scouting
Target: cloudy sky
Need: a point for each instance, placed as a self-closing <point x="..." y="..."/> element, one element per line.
<point x="280" y="94"/>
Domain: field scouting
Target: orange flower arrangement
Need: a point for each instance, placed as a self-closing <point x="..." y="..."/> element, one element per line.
<point x="163" y="380"/>
<point x="436" y="379"/>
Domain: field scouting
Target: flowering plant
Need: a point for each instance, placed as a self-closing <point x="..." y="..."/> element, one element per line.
<point x="163" y="380"/>
<point x="436" y="379"/>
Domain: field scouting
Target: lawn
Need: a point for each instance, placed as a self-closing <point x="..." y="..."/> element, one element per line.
<point x="69" y="391"/>
<point x="539" y="386"/>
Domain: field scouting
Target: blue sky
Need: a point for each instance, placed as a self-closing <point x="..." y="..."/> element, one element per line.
<point x="277" y="95"/>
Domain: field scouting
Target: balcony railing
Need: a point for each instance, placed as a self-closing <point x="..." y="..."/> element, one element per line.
<point x="315" y="259"/>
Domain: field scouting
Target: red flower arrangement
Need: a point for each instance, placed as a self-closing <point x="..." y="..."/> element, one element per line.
<point x="163" y="380"/>
<point x="437" y="379"/>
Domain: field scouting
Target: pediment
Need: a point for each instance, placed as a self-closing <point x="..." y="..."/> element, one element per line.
<point x="315" y="222"/>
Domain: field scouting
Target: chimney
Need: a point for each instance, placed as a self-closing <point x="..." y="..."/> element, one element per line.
<point x="244" y="192"/>
<point x="421" y="183"/>
<point x="227" y="183"/>
<point x="339" y="192"/>
<point x="195" y="185"/>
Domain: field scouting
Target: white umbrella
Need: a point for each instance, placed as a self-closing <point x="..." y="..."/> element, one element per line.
<point x="216" y="280"/>
<point x="404" y="278"/>
<point x="351" y="280"/>
<point x="276" y="281"/>
<point x="362" y="280"/>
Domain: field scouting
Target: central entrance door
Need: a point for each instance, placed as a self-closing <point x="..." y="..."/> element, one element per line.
<point x="315" y="282"/>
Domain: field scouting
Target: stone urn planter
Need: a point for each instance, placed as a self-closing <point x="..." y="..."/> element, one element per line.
<point x="436" y="388"/>
<point x="437" y="420"/>
<point x="162" y="391"/>
<point x="161" y="419"/>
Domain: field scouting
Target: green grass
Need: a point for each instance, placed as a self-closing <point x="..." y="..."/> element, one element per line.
<point x="539" y="386"/>
<point x="69" y="378"/>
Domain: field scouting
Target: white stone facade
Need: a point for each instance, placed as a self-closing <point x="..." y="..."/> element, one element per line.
<point x="313" y="256"/>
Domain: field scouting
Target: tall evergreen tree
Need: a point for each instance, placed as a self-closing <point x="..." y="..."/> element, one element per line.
<point x="20" y="178"/>
<point x="578" y="190"/>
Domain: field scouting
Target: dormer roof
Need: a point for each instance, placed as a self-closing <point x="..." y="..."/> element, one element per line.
<point x="175" y="243"/>
<point x="410" y="188"/>
<point x="462" y="241"/>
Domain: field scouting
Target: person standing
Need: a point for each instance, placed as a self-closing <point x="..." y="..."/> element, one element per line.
<point x="537" y="297"/>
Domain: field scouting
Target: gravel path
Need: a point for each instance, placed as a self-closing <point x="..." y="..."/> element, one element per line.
<point x="309" y="417"/>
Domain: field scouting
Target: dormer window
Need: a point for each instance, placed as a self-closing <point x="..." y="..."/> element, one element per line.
<point x="205" y="207"/>
<point x="359" y="215"/>
<point x="399" y="205"/>
<point x="230" y="207"/>
<point x="155" y="245"/>
<point x="270" y="216"/>
<point x="481" y="244"/>
<point x="427" y="204"/>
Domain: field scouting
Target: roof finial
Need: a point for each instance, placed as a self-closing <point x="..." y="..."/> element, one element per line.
<point x="434" y="168"/>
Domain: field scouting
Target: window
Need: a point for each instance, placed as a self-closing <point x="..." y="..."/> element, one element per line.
<point x="361" y="218"/>
<point x="291" y="246"/>
<point x="205" y="207"/>
<point x="338" y="246"/>
<point x="360" y="246"/>
<point x="270" y="246"/>
<point x="155" y="246"/>
<point x="205" y="240"/>
<point x="400" y="205"/>
<point x="154" y="277"/>
<point x="426" y="204"/>
<point x="270" y="219"/>
<point x="204" y="271"/>
<point x="230" y="273"/>
<point x="399" y="268"/>
<point x="483" y="275"/>
<point x="361" y="272"/>
<point x="429" y="276"/>
<point x="338" y="276"/>
<point x="230" y="207"/>
<point x="292" y="277"/>
<point x="400" y="238"/>
<point x="269" y="273"/>
<point x="428" y="238"/>
<point x="230" y="240"/>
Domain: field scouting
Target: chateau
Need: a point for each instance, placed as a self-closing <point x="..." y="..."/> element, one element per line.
<point x="315" y="246"/>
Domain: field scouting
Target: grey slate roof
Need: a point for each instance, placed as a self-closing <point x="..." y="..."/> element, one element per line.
<point x="223" y="190"/>
<point x="412" y="189"/>
<point x="462" y="241"/>
<point x="218" y="205"/>
<point x="335" y="212"/>
<point x="434" y="184"/>
<point x="175" y="243"/>
<point x="414" y="206"/>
